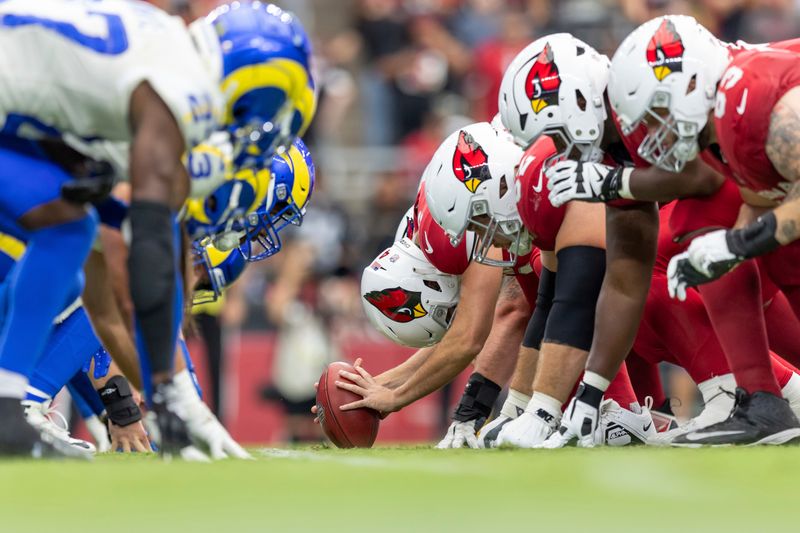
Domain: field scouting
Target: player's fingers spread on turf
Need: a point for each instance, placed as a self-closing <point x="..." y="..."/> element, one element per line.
<point x="141" y="446"/>
<point x="126" y="446"/>
<point x="352" y="387"/>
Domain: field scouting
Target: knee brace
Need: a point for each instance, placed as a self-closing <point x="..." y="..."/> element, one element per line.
<point x="580" y="276"/>
<point x="534" y="333"/>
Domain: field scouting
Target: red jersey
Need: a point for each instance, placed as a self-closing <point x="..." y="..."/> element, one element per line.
<point x="755" y="80"/>
<point x="540" y="218"/>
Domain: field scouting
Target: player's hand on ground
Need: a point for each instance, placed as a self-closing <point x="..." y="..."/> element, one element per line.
<point x="374" y="395"/>
<point x="589" y="182"/>
<point x="130" y="438"/>
<point x="460" y="435"/>
<point x="578" y="423"/>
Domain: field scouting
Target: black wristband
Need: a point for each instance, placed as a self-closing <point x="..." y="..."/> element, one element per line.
<point x="478" y="399"/>
<point x="589" y="394"/>
<point x="117" y="397"/>
<point x="754" y="239"/>
<point x="611" y="185"/>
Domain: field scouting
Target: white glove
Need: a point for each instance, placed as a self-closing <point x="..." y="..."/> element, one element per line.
<point x="459" y="435"/>
<point x="201" y="423"/>
<point x="590" y="182"/>
<point x="529" y="430"/>
<point x="579" y="422"/>
<point x="708" y="258"/>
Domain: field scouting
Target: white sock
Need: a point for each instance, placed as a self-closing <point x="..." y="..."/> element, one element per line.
<point x="710" y="388"/>
<point x="515" y="404"/>
<point x="542" y="402"/>
<point x="12" y="385"/>
<point x="791" y="391"/>
<point x="596" y="380"/>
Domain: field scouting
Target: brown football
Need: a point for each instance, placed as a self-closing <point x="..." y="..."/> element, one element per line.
<point x="356" y="428"/>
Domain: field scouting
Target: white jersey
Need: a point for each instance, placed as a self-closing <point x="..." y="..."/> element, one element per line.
<point x="69" y="67"/>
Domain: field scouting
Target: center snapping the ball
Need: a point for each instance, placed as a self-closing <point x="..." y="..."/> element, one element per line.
<point x="356" y="428"/>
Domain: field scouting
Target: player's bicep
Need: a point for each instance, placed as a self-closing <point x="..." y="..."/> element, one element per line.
<point x="157" y="171"/>
<point x="783" y="139"/>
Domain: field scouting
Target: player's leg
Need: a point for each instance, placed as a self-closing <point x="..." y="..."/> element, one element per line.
<point x="783" y="328"/>
<point x="58" y="235"/>
<point x="493" y="367"/>
<point x="69" y="349"/>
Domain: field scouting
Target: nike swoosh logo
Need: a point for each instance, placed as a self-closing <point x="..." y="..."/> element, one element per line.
<point x="743" y="104"/>
<point x="428" y="247"/>
<point x="538" y="186"/>
<point x="697" y="435"/>
<point x="647" y="426"/>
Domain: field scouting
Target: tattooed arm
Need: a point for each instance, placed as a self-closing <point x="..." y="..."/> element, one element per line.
<point x="783" y="150"/>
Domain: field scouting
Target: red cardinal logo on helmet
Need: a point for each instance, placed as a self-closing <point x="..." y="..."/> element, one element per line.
<point x="397" y="304"/>
<point x="665" y="50"/>
<point x="470" y="162"/>
<point x="543" y="81"/>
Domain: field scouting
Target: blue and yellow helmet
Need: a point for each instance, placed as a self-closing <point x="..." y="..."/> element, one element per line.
<point x="216" y="270"/>
<point x="266" y="78"/>
<point x="290" y="192"/>
<point x="225" y="208"/>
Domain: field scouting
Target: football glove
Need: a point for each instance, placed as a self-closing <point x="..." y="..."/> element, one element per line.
<point x="708" y="258"/>
<point x="530" y="430"/>
<point x="589" y="182"/>
<point x="579" y="422"/>
<point x="460" y="435"/>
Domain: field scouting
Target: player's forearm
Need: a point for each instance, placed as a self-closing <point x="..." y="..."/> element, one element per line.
<point x="630" y="256"/>
<point x="653" y="184"/>
<point x="394" y="377"/>
<point x="449" y="359"/>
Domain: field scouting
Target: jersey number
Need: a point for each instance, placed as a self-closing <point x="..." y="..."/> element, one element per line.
<point x="114" y="43"/>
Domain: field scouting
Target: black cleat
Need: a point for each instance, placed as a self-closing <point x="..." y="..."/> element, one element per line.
<point x="19" y="439"/>
<point x="758" y="418"/>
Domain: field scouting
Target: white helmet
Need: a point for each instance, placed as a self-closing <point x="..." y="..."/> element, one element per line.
<point x="470" y="183"/>
<point x="670" y="63"/>
<point x="406" y="298"/>
<point x="556" y="86"/>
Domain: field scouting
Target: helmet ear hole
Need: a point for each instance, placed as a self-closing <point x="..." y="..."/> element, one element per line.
<point x="580" y="99"/>
<point x="692" y="85"/>
<point x="431" y="284"/>
<point x="580" y="50"/>
<point x="503" y="186"/>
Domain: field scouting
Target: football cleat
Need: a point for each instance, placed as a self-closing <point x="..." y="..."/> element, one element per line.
<point x="529" y="430"/>
<point x="20" y="439"/>
<point x="758" y="418"/>
<point x="718" y="407"/>
<point x="41" y="416"/>
<point x="623" y="427"/>
<point x="662" y="415"/>
<point x="487" y="436"/>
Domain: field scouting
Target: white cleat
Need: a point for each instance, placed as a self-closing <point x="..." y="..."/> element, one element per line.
<point x="718" y="406"/>
<point x="623" y="427"/>
<point x="40" y="416"/>
<point x="529" y="430"/>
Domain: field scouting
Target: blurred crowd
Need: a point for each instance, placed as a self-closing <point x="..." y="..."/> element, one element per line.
<point x="395" y="77"/>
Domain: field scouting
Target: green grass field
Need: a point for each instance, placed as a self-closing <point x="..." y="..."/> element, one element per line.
<point x="412" y="490"/>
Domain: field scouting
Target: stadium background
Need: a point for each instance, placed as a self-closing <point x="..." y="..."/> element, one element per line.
<point x="394" y="78"/>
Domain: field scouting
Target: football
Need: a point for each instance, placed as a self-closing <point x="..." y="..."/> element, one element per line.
<point x="346" y="429"/>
